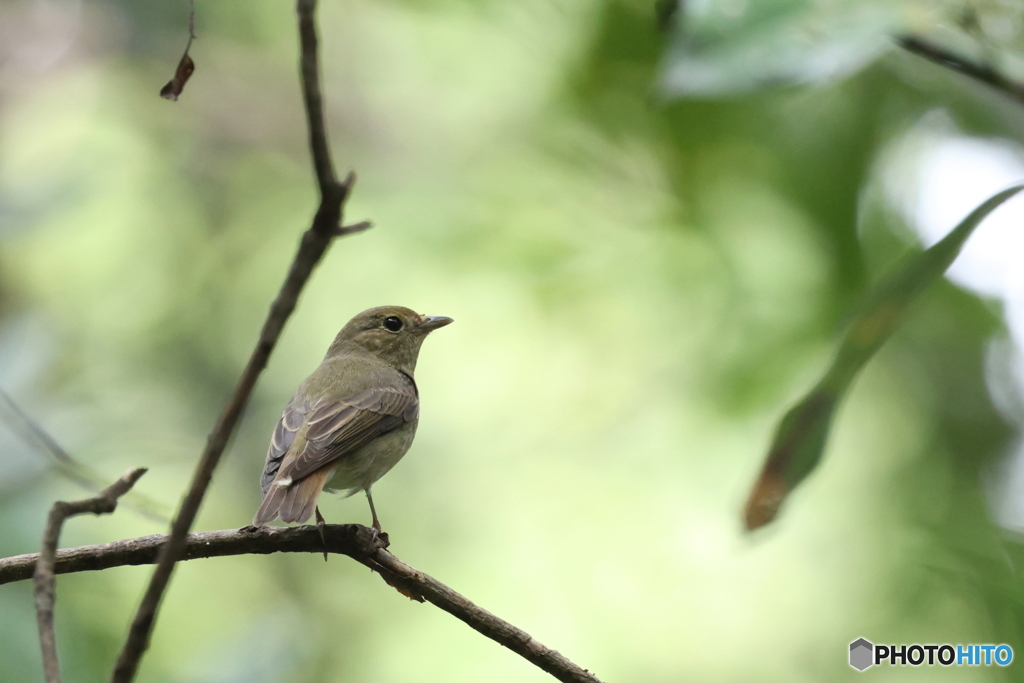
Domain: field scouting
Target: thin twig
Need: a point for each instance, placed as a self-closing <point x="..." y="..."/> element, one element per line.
<point x="30" y="430"/>
<point x="314" y="244"/>
<point x="22" y="424"/>
<point x="353" y="229"/>
<point x="979" y="71"/>
<point x="43" y="576"/>
<point x="353" y="540"/>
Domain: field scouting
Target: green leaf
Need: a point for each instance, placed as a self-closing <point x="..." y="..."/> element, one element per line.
<point x="802" y="433"/>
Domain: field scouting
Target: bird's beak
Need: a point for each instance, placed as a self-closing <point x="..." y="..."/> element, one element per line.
<point x="432" y="322"/>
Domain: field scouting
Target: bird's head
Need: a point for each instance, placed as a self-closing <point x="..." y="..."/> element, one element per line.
<point x="392" y="333"/>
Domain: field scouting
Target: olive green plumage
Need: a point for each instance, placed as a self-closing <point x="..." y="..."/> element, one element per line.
<point x="351" y="420"/>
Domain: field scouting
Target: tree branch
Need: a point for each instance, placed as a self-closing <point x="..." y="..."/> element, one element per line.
<point x="979" y="71"/>
<point x="402" y="576"/>
<point x="341" y="539"/>
<point x="43" y="577"/>
<point x="353" y="540"/>
<point x="314" y="243"/>
<point x="310" y="70"/>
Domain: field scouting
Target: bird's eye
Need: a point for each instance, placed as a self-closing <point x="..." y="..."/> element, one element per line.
<point x="393" y="323"/>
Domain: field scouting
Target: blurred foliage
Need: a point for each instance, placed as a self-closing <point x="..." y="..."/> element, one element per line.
<point x="728" y="46"/>
<point x="640" y="288"/>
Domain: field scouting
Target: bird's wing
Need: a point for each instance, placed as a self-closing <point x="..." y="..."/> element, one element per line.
<point x="284" y="435"/>
<point x="334" y="428"/>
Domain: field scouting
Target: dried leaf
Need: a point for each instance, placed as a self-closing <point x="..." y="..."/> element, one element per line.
<point x="173" y="89"/>
<point x="416" y="597"/>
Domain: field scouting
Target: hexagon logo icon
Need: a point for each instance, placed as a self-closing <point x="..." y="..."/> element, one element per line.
<point x="861" y="654"/>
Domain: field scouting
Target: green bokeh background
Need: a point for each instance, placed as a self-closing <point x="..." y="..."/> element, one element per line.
<point x="640" y="287"/>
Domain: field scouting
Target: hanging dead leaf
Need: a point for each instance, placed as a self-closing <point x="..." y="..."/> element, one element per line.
<point x="173" y="89"/>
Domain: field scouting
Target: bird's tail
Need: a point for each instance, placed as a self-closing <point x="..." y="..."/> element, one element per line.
<point x="292" y="501"/>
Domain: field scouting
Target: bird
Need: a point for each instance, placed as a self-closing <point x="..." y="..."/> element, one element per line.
<point x="351" y="420"/>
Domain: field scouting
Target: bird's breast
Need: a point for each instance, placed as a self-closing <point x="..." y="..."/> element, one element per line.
<point x="358" y="470"/>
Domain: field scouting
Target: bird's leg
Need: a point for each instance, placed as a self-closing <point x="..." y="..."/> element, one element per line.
<point x="320" y="522"/>
<point x="376" y="522"/>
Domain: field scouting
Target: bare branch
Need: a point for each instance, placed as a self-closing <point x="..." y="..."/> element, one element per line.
<point x="342" y="539"/>
<point x="43" y="577"/>
<point x="402" y="576"/>
<point x="310" y="70"/>
<point x="314" y="244"/>
<point x="354" y="540"/>
<point x="979" y="71"/>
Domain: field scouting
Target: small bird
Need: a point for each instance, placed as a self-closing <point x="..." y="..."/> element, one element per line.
<point x="352" y="420"/>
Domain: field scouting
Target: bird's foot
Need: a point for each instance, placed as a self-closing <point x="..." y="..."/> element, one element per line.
<point x="378" y="534"/>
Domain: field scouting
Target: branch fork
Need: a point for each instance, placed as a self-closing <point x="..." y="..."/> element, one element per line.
<point x="358" y="542"/>
<point x="44" y="579"/>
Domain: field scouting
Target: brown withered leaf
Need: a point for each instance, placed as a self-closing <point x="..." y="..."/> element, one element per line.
<point x="404" y="591"/>
<point x="173" y="89"/>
